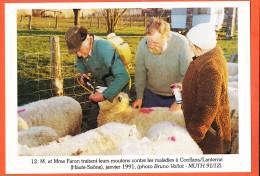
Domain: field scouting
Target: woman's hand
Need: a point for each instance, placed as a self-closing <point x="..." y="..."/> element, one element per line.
<point x="175" y="107"/>
<point x="179" y="86"/>
<point x="137" y="104"/>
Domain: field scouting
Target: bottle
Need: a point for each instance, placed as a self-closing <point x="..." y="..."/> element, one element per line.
<point x="177" y="94"/>
<point x="87" y="81"/>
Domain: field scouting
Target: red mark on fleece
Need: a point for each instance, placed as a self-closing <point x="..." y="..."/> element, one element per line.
<point x="19" y="111"/>
<point x="172" y="139"/>
<point x="173" y="124"/>
<point x="146" y="110"/>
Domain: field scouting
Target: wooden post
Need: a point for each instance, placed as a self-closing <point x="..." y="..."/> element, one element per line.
<point x="56" y="26"/>
<point x="98" y="22"/>
<point x="130" y="21"/>
<point x="231" y="22"/>
<point x="57" y="81"/>
<point x="189" y="19"/>
<point x="145" y="19"/>
<point x="21" y="21"/>
<point x="30" y="22"/>
<point x="91" y="19"/>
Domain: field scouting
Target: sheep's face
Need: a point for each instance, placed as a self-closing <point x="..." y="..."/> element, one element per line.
<point x="22" y="124"/>
<point x="119" y="104"/>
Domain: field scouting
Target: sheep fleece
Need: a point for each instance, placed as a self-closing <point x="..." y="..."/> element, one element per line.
<point x="64" y="114"/>
<point x="105" y="140"/>
<point x="120" y="111"/>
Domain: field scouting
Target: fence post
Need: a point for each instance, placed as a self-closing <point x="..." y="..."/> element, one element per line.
<point x="231" y="22"/>
<point x="98" y="22"/>
<point x="57" y="81"/>
<point x="30" y="22"/>
<point x="145" y="19"/>
<point x="56" y="26"/>
<point x="130" y="21"/>
<point x="189" y="19"/>
<point x="91" y="21"/>
<point x="21" y="21"/>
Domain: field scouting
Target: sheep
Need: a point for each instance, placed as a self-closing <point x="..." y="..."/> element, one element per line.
<point x="120" y="111"/>
<point x="104" y="140"/>
<point x="232" y="71"/>
<point x="233" y="101"/>
<point x="178" y="138"/>
<point x="135" y="146"/>
<point x="22" y="124"/>
<point x="233" y="84"/>
<point x="232" y="68"/>
<point x="233" y="78"/>
<point x="63" y="114"/>
<point x="163" y="138"/>
<point x="36" y="136"/>
<point x="235" y="146"/>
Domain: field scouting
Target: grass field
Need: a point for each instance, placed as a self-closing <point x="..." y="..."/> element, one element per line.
<point x="33" y="57"/>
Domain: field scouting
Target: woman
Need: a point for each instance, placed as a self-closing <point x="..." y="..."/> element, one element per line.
<point x="205" y="101"/>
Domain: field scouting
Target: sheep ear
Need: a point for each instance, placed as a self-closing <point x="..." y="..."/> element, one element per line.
<point x="119" y="98"/>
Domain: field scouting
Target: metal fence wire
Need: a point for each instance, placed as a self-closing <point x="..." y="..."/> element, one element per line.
<point x="35" y="78"/>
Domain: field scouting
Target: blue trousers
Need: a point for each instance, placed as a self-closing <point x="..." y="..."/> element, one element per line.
<point x="154" y="100"/>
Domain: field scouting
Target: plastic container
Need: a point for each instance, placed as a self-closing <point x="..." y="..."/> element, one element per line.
<point x="177" y="94"/>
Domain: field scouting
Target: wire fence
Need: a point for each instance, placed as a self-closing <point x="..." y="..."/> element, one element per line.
<point x="35" y="78"/>
<point x="29" y="22"/>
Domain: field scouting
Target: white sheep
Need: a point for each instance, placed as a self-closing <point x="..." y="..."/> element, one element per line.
<point x="233" y="101"/>
<point x="120" y="111"/>
<point x="163" y="138"/>
<point x="22" y="124"/>
<point x="178" y="138"/>
<point x="232" y="68"/>
<point x="35" y="136"/>
<point x="135" y="145"/>
<point x="63" y="114"/>
<point x="233" y="84"/>
<point x="235" y="146"/>
<point x="104" y="140"/>
<point x="233" y="78"/>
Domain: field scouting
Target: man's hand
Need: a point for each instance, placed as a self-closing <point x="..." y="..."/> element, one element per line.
<point x="97" y="97"/>
<point x="137" y="104"/>
<point x="81" y="79"/>
<point x="177" y="84"/>
<point x="175" y="107"/>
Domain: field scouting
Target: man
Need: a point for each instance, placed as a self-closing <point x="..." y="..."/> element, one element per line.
<point x="94" y="55"/>
<point x="162" y="59"/>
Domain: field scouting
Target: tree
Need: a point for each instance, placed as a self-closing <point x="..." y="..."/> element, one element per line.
<point x="112" y="17"/>
<point x="76" y="17"/>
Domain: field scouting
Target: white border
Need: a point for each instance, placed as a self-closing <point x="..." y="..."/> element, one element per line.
<point x="232" y="163"/>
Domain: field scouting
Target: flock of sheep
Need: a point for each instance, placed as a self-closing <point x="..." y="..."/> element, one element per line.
<point x="52" y="127"/>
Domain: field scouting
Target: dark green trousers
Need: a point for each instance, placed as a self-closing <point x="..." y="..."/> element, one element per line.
<point x="92" y="119"/>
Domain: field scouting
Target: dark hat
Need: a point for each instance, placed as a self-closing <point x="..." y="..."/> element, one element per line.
<point x="74" y="38"/>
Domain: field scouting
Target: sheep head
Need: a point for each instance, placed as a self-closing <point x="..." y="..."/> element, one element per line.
<point x="22" y="124"/>
<point x="119" y="104"/>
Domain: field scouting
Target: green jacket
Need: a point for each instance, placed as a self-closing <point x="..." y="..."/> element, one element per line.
<point x="98" y="65"/>
<point x="158" y="72"/>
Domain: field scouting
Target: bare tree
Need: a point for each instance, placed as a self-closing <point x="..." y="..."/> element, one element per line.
<point x="112" y="17"/>
<point x="76" y="17"/>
